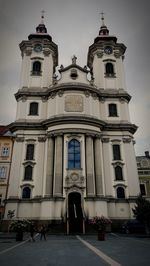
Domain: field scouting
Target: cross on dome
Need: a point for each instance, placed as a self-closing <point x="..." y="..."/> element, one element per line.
<point x="41" y="27"/>
<point x="42" y="16"/>
<point x="103" y="28"/>
<point x="102" y="18"/>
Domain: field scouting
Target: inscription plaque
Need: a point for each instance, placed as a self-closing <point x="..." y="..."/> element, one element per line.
<point x="74" y="103"/>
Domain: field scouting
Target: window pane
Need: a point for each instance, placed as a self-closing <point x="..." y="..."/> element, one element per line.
<point x="77" y="164"/>
<point x="70" y="164"/>
<point x="28" y="173"/>
<point x="70" y="156"/>
<point x="3" y="172"/>
<point x="120" y="193"/>
<point x="116" y="152"/>
<point x="26" y="193"/>
<point x="5" y="151"/>
<point x="77" y="157"/>
<point x="118" y="173"/>
<point x="30" y="152"/>
<point x="74" y="154"/>
<point x="77" y="149"/>
<point x="112" y="109"/>
<point x="109" y="68"/>
<point x="142" y="189"/>
<point x="33" y="109"/>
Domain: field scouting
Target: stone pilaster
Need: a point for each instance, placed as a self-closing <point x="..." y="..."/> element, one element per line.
<point x="90" y="167"/>
<point x="98" y="167"/>
<point x="49" y="172"/>
<point x="107" y="166"/>
<point x="58" y="166"/>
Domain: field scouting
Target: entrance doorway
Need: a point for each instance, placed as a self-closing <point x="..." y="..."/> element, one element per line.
<point x="75" y="213"/>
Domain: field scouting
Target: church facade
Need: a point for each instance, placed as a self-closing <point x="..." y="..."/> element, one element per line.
<point x="73" y="155"/>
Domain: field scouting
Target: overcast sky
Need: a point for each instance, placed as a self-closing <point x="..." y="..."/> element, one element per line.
<point x="73" y="25"/>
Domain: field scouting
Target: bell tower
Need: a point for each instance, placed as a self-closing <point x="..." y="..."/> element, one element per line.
<point x="105" y="60"/>
<point x="39" y="58"/>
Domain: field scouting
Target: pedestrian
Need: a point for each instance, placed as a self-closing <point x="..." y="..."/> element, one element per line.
<point x="32" y="231"/>
<point x="43" y="232"/>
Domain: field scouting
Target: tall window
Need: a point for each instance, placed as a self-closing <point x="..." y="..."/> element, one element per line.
<point x="36" y="70"/>
<point x="116" y="152"/>
<point x="112" y="109"/>
<point x="74" y="160"/>
<point x="5" y="151"/>
<point x="109" y="69"/>
<point x="26" y="193"/>
<point x="30" y="152"/>
<point x="118" y="173"/>
<point x="33" y="108"/>
<point x="120" y="193"/>
<point x="3" y="172"/>
<point x="142" y="189"/>
<point x="28" y="173"/>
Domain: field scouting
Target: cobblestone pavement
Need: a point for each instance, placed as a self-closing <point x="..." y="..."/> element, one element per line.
<point x="61" y="250"/>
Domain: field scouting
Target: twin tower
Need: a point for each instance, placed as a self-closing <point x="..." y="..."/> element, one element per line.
<point x="73" y="155"/>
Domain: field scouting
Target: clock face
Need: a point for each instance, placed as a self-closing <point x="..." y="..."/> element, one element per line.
<point x="38" y="48"/>
<point x="108" y="50"/>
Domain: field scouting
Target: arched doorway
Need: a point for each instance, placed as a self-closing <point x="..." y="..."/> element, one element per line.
<point x="75" y="213"/>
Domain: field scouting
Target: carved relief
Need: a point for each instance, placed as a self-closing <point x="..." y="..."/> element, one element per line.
<point x="100" y="54"/>
<point x="28" y="51"/>
<point x="60" y="93"/>
<point x="46" y="52"/>
<point x="74" y="103"/>
<point x="74" y="179"/>
<point x="24" y="98"/>
<point x="20" y="139"/>
<point x="41" y="139"/>
<point x="105" y="140"/>
<point x="87" y="93"/>
<point x="126" y="140"/>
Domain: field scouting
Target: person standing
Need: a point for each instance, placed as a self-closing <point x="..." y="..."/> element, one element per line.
<point x="43" y="232"/>
<point x="32" y="231"/>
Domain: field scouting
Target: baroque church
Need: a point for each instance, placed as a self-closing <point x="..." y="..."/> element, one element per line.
<point x="73" y="155"/>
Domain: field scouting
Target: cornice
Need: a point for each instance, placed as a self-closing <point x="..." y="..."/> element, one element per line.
<point x="62" y="69"/>
<point x="72" y="119"/>
<point x="59" y="89"/>
<point x="74" y="131"/>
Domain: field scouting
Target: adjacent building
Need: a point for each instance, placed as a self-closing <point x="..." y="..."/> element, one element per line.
<point x="143" y="165"/>
<point x="73" y="155"/>
<point x="6" y="147"/>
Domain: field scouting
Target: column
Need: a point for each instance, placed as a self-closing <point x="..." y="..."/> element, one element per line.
<point x="58" y="166"/>
<point x="98" y="167"/>
<point x="90" y="167"/>
<point x="107" y="166"/>
<point x="131" y="167"/>
<point x="49" y="172"/>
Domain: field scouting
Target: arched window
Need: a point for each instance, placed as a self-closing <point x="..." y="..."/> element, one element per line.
<point x="118" y="173"/>
<point x="36" y="69"/>
<point x="26" y="193"/>
<point x="28" y="173"/>
<point x="30" y="152"/>
<point x="74" y="160"/>
<point x="109" y="69"/>
<point x="120" y="193"/>
<point x="112" y="109"/>
<point x="33" y="108"/>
